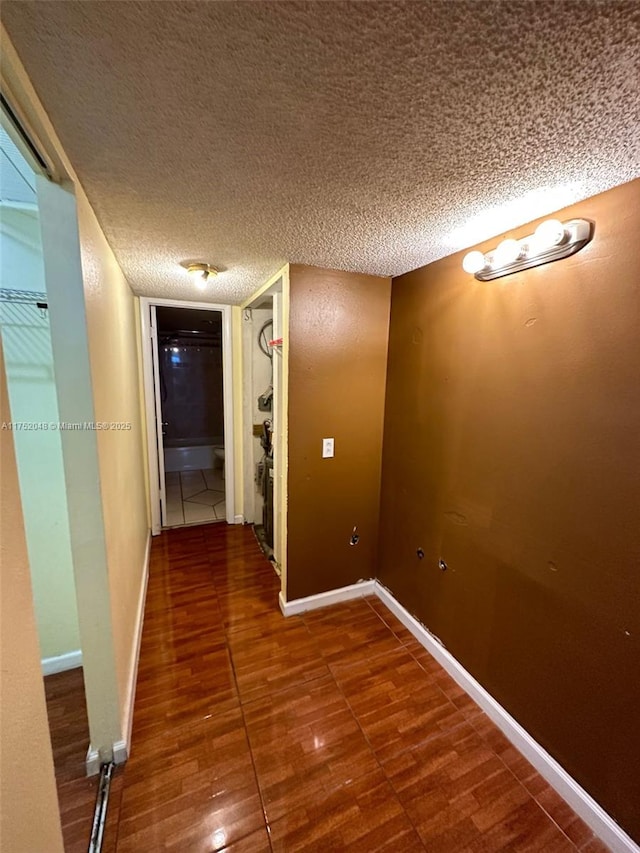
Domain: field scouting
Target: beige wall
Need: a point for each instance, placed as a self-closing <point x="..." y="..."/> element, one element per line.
<point x="112" y="323"/>
<point x="512" y="452"/>
<point x="338" y="332"/>
<point x="29" y="818"/>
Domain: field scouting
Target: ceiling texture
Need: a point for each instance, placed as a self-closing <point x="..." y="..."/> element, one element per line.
<point x="365" y="136"/>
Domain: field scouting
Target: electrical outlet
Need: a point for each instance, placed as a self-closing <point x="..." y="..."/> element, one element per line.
<point x="327" y="448"/>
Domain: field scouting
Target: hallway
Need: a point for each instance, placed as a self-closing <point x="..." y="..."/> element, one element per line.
<point x="330" y="731"/>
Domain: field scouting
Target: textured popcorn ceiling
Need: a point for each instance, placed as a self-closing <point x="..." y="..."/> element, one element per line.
<point x="359" y="135"/>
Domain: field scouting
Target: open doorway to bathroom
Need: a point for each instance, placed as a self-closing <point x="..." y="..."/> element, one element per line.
<point x="192" y="409"/>
<point x="188" y="392"/>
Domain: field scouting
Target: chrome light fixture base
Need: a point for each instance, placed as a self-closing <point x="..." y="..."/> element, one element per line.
<point x="575" y="236"/>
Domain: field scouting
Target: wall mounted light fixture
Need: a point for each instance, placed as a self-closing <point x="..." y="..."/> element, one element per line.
<point x="551" y="241"/>
<point x="201" y="273"/>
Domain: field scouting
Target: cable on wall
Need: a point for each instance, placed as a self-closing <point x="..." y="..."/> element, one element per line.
<point x="263" y="340"/>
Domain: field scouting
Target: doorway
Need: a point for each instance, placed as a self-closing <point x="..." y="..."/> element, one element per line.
<point x="188" y="391"/>
<point x="192" y="409"/>
<point x="259" y="353"/>
<point x="265" y="354"/>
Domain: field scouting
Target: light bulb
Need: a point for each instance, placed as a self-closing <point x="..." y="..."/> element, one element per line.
<point x="473" y="262"/>
<point x="199" y="274"/>
<point x="548" y="234"/>
<point x="507" y="252"/>
<point x="201" y="280"/>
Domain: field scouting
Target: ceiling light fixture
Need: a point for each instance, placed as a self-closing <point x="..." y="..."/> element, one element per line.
<point x="551" y="241"/>
<point x="513" y="213"/>
<point x="201" y="273"/>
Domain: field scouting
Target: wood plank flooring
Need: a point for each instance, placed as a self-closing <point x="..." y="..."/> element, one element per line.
<point x="69" y="730"/>
<point x="330" y="731"/>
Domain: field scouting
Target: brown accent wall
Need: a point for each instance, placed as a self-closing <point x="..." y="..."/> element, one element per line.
<point x="338" y="335"/>
<point x="512" y="452"/>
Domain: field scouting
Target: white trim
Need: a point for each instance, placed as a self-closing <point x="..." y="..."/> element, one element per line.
<point x="267" y="288"/>
<point x="238" y="519"/>
<point x="135" y="657"/>
<point x="149" y="408"/>
<point x="61" y="663"/>
<point x="278" y="286"/>
<point x="157" y="415"/>
<point x="580" y="801"/>
<point x="229" y="433"/>
<point x="149" y="397"/>
<point x="120" y="752"/>
<point x="249" y="485"/>
<point x="324" y="599"/>
<point x="92" y="762"/>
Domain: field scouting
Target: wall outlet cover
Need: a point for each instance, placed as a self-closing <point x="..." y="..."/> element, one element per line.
<point x="327" y="448"/>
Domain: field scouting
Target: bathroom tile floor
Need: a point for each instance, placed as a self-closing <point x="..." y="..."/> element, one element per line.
<point x="326" y="732"/>
<point x="195" y="497"/>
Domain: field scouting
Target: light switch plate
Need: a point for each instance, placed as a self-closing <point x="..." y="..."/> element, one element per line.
<point x="327" y="448"/>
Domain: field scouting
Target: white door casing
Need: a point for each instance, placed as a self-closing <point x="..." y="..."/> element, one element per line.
<point x="153" y="408"/>
<point x="158" y="444"/>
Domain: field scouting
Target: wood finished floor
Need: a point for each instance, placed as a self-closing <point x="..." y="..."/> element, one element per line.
<point x="330" y="731"/>
<point x="69" y="730"/>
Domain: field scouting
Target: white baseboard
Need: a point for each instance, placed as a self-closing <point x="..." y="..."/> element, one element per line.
<point x="61" y="663"/>
<point x="92" y="762"/>
<point x="238" y="519"/>
<point x="121" y="748"/>
<point x="120" y="751"/>
<point x="580" y="801"/>
<point x="324" y="599"/>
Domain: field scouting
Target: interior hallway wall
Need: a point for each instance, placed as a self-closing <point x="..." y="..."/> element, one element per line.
<point x="512" y="452"/>
<point x="113" y="348"/>
<point x="26" y="774"/>
<point x="338" y="334"/>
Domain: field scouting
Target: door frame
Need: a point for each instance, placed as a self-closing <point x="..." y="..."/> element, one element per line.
<point x="278" y="288"/>
<point x="149" y="388"/>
